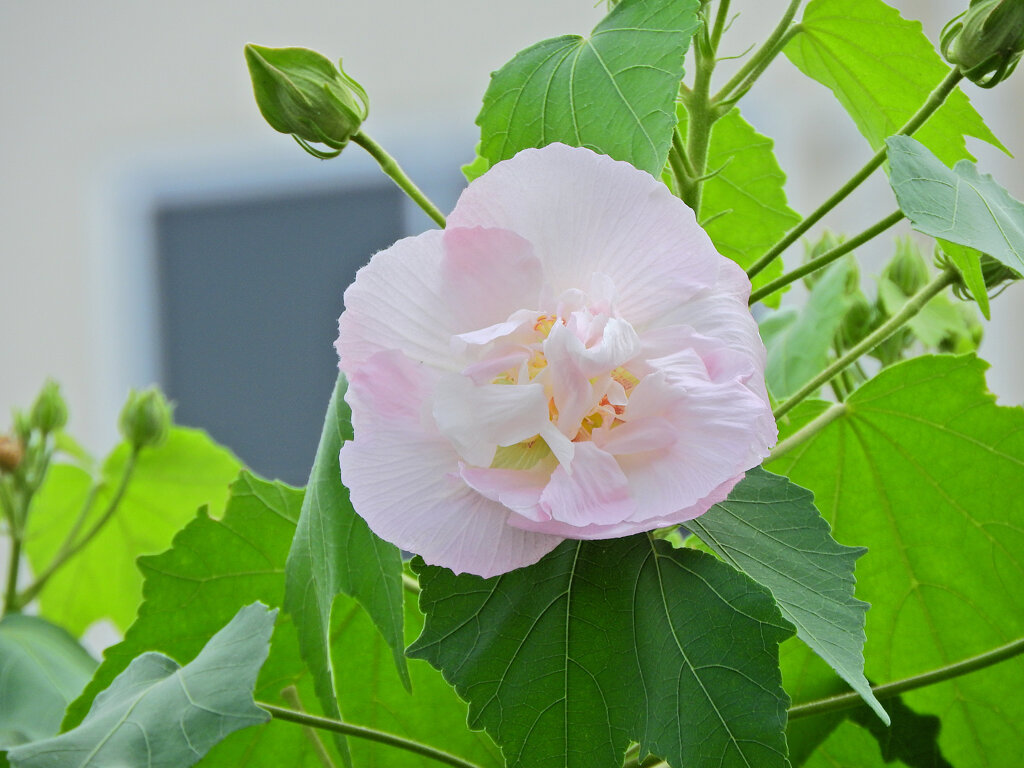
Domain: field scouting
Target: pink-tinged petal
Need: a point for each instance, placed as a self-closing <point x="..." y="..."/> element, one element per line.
<point x="722" y="430"/>
<point x="397" y="302"/>
<point x="403" y="479"/>
<point x="517" y="489"/>
<point x="586" y="213"/>
<point x="478" y="419"/>
<point x="592" y="491"/>
<point x="490" y="368"/>
<point x="638" y="436"/>
<point x="488" y="274"/>
<point x="570" y="387"/>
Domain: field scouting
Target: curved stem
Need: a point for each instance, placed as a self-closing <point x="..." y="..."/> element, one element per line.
<point x="938" y="96"/>
<point x="972" y="664"/>
<point x="827" y="258"/>
<point x="757" y="63"/>
<point x="394" y="171"/>
<point x="809" y="430"/>
<point x="360" y="732"/>
<point x="884" y="331"/>
<point x="69" y="550"/>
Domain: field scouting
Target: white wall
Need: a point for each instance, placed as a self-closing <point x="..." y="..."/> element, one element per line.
<point x="90" y="91"/>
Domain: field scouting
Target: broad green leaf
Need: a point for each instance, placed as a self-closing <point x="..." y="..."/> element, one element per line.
<point x="42" y="669"/>
<point x="882" y="68"/>
<point x="169" y="483"/>
<point x="370" y="694"/>
<point x="770" y="529"/>
<point x="335" y="552"/>
<point x="213" y="568"/>
<point x="604" y="642"/>
<point x="613" y="92"/>
<point x="849" y="747"/>
<point x="162" y="715"/>
<point x="960" y="205"/>
<point x="807" y="678"/>
<point x="923" y="468"/>
<point x="799" y="342"/>
<point x="968" y="261"/>
<point x="743" y="206"/>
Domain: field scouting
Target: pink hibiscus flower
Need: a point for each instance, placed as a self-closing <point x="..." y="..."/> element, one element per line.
<point x="570" y="358"/>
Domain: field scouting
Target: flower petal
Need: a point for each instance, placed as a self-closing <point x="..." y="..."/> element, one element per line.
<point x="585" y="213"/>
<point x="403" y="478"/>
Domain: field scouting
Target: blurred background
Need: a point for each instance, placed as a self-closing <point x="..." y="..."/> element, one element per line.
<point x="153" y="229"/>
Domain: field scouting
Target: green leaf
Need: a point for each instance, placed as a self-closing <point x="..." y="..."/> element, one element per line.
<point x="968" y="262"/>
<point x="770" y="529"/>
<point x="213" y="568"/>
<point x="335" y="552"/>
<point x="603" y="642"/>
<point x="923" y="468"/>
<point x="613" y="92"/>
<point x="799" y="342"/>
<point x="370" y="694"/>
<point x="882" y="68"/>
<point x="170" y="482"/>
<point x="960" y="205"/>
<point x="743" y="206"/>
<point x="849" y="747"/>
<point x="162" y="715"/>
<point x="42" y="669"/>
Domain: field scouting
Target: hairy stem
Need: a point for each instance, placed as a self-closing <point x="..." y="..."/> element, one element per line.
<point x="884" y="331"/>
<point x="759" y="62"/>
<point x="71" y="548"/>
<point x="850" y="700"/>
<point x="394" y="171"/>
<point x="700" y="120"/>
<point x="358" y="731"/>
<point x="938" y="96"/>
<point x="826" y="258"/>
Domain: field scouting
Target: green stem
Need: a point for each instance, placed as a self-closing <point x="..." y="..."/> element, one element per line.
<point x="826" y="258"/>
<point x="700" y="120"/>
<point x="360" y="732"/>
<point x="394" y="171"/>
<point x="720" y="19"/>
<point x="851" y="700"/>
<point x="291" y="695"/>
<point x="13" y="563"/>
<point x="69" y="550"/>
<point x="884" y="331"/>
<point x="757" y="63"/>
<point x="809" y="430"/>
<point x="938" y="96"/>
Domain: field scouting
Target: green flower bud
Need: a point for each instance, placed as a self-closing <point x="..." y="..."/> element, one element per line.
<point x="301" y="92"/>
<point x="823" y="245"/>
<point x="21" y="425"/>
<point x="986" y="40"/>
<point x="11" y="454"/>
<point x="145" y="419"/>
<point x="996" y="273"/>
<point x="49" y="413"/>
<point x="908" y="270"/>
<point x="858" y="322"/>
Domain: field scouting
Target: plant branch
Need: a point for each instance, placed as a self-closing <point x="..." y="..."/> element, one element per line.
<point x="884" y="331"/>
<point x="757" y="63"/>
<point x="291" y="695"/>
<point x="948" y="672"/>
<point x="358" y="731"/>
<point x="69" y="549"/>
<point x="938" y="96"/>
<point x="809" y="430"/>
<point x="827" y="258"/>
<point x="389" y="165"/>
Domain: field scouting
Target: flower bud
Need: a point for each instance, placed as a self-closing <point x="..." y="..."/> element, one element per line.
<point x="49" y="412"/>
<point x="145" y="419"/>
<point x="908" y="269"/>
<point x="986" y="40"/>
<point x="858" y="322"/>
<point x="21" y="425"/>
<point x="824" y="244"/>
<point x="11" y="454"/>
<point x="996" y="273"/>
<point x="301" y="92"/>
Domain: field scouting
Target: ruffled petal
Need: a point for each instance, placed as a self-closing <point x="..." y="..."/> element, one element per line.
<point x="403" y="478"/>
<point x="586" y="213"/>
